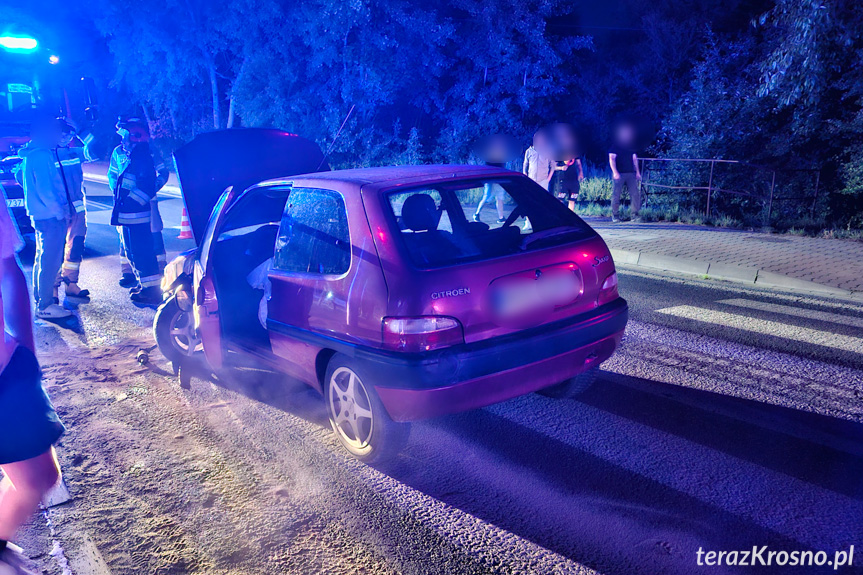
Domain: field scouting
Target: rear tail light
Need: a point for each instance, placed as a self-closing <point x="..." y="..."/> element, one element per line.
<point x="422" y="333"/>
<point x="608" y="292"/>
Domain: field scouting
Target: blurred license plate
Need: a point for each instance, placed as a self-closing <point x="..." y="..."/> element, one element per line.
<point x="520" y="297"/>
<point x="15" y="203"/>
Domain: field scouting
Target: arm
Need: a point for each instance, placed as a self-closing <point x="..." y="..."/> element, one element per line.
<point x="612" y="161"/>
<point x="113" y="171"/>
<point x="580" y="169"/>
<point x="525" y="167"/>
<point x="16" y="303"/>
<point x="635" y="163"/>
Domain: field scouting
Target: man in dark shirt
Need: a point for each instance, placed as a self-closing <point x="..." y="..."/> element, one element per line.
<point x="624" y="171"/>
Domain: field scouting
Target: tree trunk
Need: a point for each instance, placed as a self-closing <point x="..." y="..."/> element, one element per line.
<point x="214" y="88"/>
<point x="231" y="113"/>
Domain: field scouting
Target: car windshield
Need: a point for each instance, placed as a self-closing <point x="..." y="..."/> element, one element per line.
<point x="459" y="222"/>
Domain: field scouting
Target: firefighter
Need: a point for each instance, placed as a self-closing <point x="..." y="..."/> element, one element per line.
<point x="132" y="176"/>
<point x="70" y="155"/>
<point x="119" y="159"/>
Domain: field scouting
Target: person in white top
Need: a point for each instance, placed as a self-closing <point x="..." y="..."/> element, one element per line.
<point x="537" y="166"/>
<point x="29" y="426"/>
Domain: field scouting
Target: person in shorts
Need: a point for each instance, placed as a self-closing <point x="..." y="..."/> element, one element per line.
<point x="491" y="190"/>
<point x="29" y="426"/>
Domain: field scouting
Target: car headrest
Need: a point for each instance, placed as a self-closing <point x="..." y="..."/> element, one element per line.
<point x="420" y="214"/>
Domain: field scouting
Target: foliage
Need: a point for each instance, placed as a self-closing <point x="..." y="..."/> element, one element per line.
<point x="774" y="83"/>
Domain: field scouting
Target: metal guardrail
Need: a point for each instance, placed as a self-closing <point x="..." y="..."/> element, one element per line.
<point x="646" y="170"/>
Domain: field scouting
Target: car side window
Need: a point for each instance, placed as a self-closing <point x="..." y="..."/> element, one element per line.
<point x="313" y="235"/>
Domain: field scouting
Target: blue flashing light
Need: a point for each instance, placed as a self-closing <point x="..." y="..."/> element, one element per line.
<point x="18" y="43"/>
<point x="53" y="59"/>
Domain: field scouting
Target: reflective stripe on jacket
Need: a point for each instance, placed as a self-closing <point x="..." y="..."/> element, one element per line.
<point x="134" y="185"/>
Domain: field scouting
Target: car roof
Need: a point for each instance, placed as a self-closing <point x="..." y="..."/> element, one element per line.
<point x="390" y="175"/>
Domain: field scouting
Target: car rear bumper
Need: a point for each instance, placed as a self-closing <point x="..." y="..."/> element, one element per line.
<point x="476" y="375"/>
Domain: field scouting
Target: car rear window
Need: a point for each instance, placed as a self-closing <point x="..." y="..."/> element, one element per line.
<point x="437" y="224"/>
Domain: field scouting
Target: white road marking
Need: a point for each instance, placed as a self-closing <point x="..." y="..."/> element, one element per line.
<point x="746" y="323"/>
<point x="796" y="311"/>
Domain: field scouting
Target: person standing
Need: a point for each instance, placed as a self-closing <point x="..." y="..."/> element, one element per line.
<point x="537" y="166"/>
<point x="489" y="190"/>
<point x="133" y="184"/>
<point x="119" y="160"/>
<point x="29" y="426"/>
<point x="47" y="204"/>
<point x="571" y="178"/>
<point x="625" y="172"/>
<point x="71" y="155"/>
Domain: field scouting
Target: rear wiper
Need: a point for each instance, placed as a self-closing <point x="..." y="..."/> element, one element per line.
<point x="545" y="234"/>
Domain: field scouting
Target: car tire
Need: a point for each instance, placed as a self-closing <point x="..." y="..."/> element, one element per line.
<point x="572" y="387"/>
<point x="174" y="330"/>
<point x="357" y="416"/>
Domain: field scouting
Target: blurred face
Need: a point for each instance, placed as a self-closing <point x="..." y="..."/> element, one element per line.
<point x="46" y="134"/>
<point x="66" y="139"/>
<point x="625" y="134"/>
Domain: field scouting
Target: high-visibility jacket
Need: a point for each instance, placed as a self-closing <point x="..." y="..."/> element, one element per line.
<point x="44" y="193"/>
<point x="70" y="163"/>
<point x="119" y="161"/>
<point x="133" y="182"/>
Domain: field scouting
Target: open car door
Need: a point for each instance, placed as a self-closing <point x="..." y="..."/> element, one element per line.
<point x="239" y="157"/>
<point x="231" y="160"/>
<point x="206" y="306"/>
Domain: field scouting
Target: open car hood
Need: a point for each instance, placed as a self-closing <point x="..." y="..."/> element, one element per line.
<point x="239" y="157"/>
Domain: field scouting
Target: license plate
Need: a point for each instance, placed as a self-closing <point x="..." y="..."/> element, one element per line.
<point x="521" y="297"/>
<point x="15" y="203"/>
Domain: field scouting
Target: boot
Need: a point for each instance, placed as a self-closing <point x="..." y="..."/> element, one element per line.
<point x="128" y="280"/>
<point x="148" y="296"/>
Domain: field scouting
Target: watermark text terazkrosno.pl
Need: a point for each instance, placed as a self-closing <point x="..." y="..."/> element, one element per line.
<point x="763" y="556"/>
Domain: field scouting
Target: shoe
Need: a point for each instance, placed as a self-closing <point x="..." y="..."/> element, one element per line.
<point x="83" y="296"/>
<point x="615" y="220"/>
<point x="476" y="217"/>
<point x="147" y="296"/>
<point x="128" y="281"/>
<point x="14" y="562"/>
<point x="636" y="220"/>
<point x="501" y="220"/>
<point x="53" y="311"/>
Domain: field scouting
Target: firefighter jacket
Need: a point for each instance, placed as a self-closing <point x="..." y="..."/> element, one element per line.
<point x="133" y="182"/>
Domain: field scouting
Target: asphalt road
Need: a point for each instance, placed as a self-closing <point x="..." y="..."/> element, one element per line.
<point x="730" y="418"/>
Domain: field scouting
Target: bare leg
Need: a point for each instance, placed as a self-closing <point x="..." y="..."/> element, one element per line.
<point x="500" y="208"/>
<point x="22" y="488"/>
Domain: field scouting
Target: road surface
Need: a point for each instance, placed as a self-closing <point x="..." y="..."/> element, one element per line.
<point x="730" y="418"/>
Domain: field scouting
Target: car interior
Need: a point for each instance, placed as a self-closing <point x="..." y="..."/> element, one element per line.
<point x="245" y="241"/>
<point x="436" y="230"/>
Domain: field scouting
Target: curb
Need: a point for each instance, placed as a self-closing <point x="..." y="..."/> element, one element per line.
<point x="727" y="272"/>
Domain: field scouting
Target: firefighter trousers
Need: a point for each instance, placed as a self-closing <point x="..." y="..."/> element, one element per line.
<point x="74" y="253"/>
<point x="138" y="245"/>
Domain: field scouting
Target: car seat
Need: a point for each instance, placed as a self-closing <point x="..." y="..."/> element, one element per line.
<point x="420" y="219"/>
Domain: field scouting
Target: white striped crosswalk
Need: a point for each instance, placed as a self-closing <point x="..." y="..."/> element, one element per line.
<point x="840" y="319"/>
<point x="772" y="328"/>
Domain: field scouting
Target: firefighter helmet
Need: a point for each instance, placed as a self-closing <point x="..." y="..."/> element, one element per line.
<point x="136" y="127"/>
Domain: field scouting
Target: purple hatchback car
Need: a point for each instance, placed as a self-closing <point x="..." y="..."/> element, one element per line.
<point x="377" y="288"/>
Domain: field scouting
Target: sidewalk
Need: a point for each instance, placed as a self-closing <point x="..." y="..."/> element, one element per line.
<point x="829" y="267"/>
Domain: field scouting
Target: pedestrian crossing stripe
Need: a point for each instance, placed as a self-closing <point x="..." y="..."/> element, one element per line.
<point x="796" y="311"/>
<point x="765" y="327"/>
